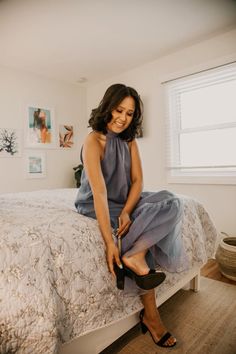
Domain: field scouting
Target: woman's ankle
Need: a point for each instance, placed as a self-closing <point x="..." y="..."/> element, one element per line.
<point x="151" y="317"/>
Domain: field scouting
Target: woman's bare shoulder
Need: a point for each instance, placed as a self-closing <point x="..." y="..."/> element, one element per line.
<point x="94" y="136"/>
<point x="95" y="140"/>
<point x="132" y="143"/>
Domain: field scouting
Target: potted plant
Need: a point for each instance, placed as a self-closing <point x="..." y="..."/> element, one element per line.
<point x="226" y="257"/>
<point x="78" y="171"/>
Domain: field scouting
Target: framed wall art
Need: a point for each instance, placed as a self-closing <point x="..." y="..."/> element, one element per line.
<point x="66" y="136"/>
<point x="35" y="164"/>
<point x="40" y="127"/>
<point x="10" y="142"/>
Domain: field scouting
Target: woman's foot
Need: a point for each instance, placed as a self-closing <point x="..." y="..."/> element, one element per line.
<point x="136" y="268"/>
<point x="136" y="263"/>
<point x="157" y="329"/>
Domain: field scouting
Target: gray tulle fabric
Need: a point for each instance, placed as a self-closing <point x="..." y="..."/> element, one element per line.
<point x="156" y="219"/>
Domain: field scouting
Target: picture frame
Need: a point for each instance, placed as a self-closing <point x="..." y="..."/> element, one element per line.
<point x="40" y="130"/>
<point x="35" y="164"/>
<point x="66" y="136"/>
<point x="10" y="142"/>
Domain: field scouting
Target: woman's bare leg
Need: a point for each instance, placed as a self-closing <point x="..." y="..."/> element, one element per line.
<point x="152" y="318"/>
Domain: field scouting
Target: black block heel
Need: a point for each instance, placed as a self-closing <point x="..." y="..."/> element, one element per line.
<point x="144" y="328"/>
<point x="120" y="277"/>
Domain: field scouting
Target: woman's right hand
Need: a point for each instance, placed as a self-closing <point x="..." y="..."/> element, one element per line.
<point x="112" y="254"/>
<point x="124" y="223"/>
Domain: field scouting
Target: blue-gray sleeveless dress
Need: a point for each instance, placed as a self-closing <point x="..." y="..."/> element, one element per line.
<point x="156" y="219"/>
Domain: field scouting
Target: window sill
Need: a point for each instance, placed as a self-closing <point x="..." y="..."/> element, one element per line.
<point x="224" y="180"/>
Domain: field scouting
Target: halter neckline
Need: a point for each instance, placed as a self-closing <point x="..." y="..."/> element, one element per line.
<point x="111" y="134"/>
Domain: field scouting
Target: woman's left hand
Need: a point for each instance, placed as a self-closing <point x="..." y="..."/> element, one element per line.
<point x="124" y="223"/>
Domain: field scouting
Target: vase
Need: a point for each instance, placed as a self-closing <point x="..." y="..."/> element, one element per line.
<point x="226" y="257"/>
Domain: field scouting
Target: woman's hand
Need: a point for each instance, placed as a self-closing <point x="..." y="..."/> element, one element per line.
<point x="124" y="224"/>
<point x="112" y="253"/>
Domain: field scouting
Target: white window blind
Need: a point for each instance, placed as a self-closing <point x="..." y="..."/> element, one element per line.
<point x="201" y="124"/>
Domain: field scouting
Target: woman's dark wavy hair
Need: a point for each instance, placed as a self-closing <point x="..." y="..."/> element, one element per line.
<point x="102" y="115"/>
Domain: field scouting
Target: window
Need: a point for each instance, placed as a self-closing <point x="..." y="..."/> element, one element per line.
<point x="202" y="127"/>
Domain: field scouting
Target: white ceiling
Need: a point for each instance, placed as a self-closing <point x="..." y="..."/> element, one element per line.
<point x="96" y="39"/>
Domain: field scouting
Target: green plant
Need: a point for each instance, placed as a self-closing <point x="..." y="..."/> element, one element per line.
<point x="78" y="171"/>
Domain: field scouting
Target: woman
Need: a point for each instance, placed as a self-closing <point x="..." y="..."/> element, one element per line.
<point x="111" y="192"/>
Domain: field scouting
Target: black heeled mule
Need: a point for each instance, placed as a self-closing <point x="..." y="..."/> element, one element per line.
<point x="147" y="281"/>
<point x="164" y="338"/>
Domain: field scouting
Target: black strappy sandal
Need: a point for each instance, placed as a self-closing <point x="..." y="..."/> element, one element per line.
<point x="164" y="338"/>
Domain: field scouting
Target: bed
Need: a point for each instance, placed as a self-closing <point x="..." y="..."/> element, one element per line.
<point x="56" y="294"/>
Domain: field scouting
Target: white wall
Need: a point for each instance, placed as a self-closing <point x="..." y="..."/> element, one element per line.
<point x="219" y="200"/>
<point x="17" y="90"/>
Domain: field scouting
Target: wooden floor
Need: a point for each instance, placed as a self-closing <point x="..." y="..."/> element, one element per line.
<point x="211" y="270"/>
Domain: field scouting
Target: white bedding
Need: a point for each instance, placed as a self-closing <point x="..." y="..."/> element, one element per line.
<point x="54" y="281"/>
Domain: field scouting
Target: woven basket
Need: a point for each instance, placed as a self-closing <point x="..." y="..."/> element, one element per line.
<point x="226" y="257"/>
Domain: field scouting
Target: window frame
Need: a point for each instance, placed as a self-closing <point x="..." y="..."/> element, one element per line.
<point x="173" y="89"/>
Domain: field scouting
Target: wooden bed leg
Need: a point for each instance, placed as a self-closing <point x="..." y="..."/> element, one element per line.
<point x="195" y="283"/>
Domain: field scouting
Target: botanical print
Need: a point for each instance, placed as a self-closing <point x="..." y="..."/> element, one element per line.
<point x="66" y="135"/>
<point x="9" y="142"/>
<point x="40" y="127"/>
<point x="35" y="165"/>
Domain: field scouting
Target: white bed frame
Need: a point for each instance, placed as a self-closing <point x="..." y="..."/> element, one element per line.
<point x="97" y="340"/>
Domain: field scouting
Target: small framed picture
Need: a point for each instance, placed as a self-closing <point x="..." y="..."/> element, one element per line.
<point x="66" y="136"/>
<point x="10" y="142"/>
<point x="40" y="127"/>
<point x="35" y="164"/>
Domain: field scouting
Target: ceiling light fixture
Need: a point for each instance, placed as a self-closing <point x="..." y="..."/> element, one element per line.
<point x="81" y="80"/>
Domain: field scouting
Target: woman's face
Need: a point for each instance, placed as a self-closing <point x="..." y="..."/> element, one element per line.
<point x="122" y="115"/>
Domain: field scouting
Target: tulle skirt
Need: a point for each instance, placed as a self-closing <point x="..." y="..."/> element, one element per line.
<point x="156" y="227"/>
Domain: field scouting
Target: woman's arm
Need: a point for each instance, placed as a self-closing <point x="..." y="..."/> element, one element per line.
<point x="92" y="154"/>
<point x="135" y="190"/>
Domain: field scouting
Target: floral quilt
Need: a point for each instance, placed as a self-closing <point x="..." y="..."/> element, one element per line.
<point x="54" y="281"/>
